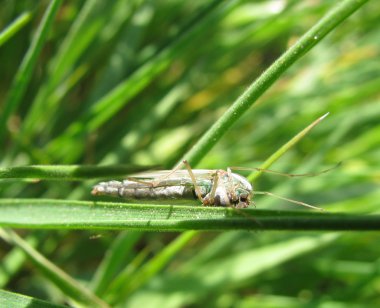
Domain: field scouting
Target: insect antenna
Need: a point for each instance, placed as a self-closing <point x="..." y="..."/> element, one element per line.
<point x="289" y="200"/>
<point x="290" y="175"/>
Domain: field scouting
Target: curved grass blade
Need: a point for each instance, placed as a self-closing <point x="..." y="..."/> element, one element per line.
<point x="328" y="23"/>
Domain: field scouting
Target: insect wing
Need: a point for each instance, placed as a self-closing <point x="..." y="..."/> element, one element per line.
<point x="170" y="178"/>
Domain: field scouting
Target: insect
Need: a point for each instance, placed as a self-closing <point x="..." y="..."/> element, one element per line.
<point x="211" y="187"/>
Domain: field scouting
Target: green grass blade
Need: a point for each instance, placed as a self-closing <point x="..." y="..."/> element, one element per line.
<point x="91" y="19"/>
<point x="161" y="122"/>
<point x="108" y="105"/>
<point x="123" y="277"/>
<point x="10" y="299"/>
<point x="13" y="261"/>
<point x="156" y="264"/>
<point x="182" y="287"/>
<point x="67" y="172"/>
<point x="115" y="258"/>
<point x="328" y="23"/>
<point x="62" y="280"/>
<point x="282" y="150"/>
<point x="146" y="125"/>
<point x="14" y="27"/>
<point x="24" y="73"/>
<point x="45" y="213"/>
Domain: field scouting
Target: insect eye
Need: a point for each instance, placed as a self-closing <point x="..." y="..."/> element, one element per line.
<point x="244" y="197"/>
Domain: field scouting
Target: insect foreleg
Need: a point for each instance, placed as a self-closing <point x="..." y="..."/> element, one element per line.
<point x="214" y="187"/>
<point x="231" y="185"/>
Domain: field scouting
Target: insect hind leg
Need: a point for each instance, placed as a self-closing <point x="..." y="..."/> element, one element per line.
<point x="193" y="179"/>
<point x="156" y="182"/>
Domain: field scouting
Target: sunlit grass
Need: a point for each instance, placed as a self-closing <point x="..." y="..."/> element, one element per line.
<point x="141" y="83"/>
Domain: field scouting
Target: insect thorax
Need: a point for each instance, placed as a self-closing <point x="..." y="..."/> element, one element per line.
<point x="232" y="190"/>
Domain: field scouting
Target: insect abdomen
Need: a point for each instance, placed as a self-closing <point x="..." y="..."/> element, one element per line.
<point x="132" y="190"/>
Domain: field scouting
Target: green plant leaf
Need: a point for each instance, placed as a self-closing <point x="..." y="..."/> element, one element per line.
<point x="40" y="213"/>
<point x="10" y="299"/>
<point x="14" y="27"/>
<point x="66" y="172"/>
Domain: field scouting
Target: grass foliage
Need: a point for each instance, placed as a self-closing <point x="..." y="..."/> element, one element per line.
<point x="97" y="89"/>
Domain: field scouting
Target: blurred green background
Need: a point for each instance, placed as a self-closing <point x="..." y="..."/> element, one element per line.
<point x="139" y="82"/>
